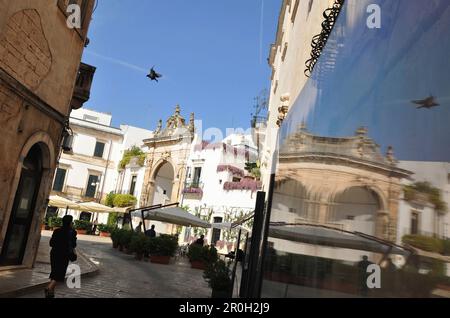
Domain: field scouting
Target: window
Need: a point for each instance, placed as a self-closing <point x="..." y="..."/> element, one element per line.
<point x="91" y="188"/>
<point x="86" y="216"/>
<point x="310" y="6"/>
<point x="283" y="56"/>
<point x="294" y="11"/>
<point x="133" y="184"/>
<point x="236" y="179"/>
<point x="89" y="117"/>
<point x="216" y="232"/>
<point x="414" y="222"/>
<point x="60" y="177"/>
<point x="51" y="212"/>
<point x="99" y="149"/>
<point x="197" y="175"/>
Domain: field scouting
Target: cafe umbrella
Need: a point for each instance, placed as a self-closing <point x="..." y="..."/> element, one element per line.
<point x="63" y="203"/>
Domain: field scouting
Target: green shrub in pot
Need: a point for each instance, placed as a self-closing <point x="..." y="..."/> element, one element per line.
<point x="164" y="245"/>
<point x="138" y="244"/>
<point x="82" y="225"/>
<point x="218" y="276"/>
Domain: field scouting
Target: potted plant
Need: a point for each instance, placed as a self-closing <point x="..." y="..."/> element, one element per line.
<point x="201" y="256"/>
<point x="218" y="276"/>
<point x="105" y="230"/>
<point x="82" y="226"/>
<point x="54" y="222"/>
<point x="115" y="233"/>
<point x="150" y="247"/>
<point x="164" y="247"/>
<point x="125" y="240"/>
<point x="138" y="244"/>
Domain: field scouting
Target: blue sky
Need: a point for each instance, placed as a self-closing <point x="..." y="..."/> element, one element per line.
<point x="213" y="55"/>
<point x="377" y="74"/>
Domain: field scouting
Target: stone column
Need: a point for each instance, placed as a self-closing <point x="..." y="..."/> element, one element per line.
<point x="323" y="211"/>
<point x="381" y="225"/>
<point x="393" y="216"/>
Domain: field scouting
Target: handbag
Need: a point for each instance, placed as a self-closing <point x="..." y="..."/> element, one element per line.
<point x="73" y="255"/>
<point x="72" y="252"/>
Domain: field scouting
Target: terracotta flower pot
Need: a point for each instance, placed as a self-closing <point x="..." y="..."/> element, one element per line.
<point x="42" y="227"/>
<point x="158" y="259"/>
<point x="105" y="234"/>
<point x="82" y="232"/>
<point x="198" y="265"/>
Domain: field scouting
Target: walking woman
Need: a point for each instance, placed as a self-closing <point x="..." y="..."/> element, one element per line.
<point x="63" y="243"/>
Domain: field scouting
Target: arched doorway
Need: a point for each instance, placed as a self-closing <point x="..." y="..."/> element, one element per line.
<point x="293" y="203"/>
<point x="356" y="208"/>
<point x="23" y="208"/>
<point x="163" y="184"/>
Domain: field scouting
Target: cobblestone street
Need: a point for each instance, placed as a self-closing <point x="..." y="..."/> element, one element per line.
<point x="122" y="276"/>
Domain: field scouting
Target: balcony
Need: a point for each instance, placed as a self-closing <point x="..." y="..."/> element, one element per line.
<point x="82" y="90"/>
<point x="259" y="122"/>
<point x="193" y="189"/>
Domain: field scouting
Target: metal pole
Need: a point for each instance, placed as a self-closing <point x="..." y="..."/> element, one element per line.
<point x="256" y="238"/>
<point x="233" y="275"/>
<point x="244" y="264"/>
<point x="143" y="221"/>
<point x="67" y="210"/>
<point x="265" y="233"/>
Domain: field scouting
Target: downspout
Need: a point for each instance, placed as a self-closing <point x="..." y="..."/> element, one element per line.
<point x="106" y="171"/>
<point x="104" y="175"/>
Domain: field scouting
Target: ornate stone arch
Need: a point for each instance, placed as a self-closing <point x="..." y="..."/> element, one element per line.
<point x="159" y="164"/>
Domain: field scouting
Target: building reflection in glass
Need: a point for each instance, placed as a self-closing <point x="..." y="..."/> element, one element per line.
<point x="363" y="174"/>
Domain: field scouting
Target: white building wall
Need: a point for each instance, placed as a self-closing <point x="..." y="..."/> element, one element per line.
<point x="214" y="196"/>
<point x="299" y="22"/>
<point x="92" y="116"/>
<point x="87" y="131"/>
<point x="436" y="173"/>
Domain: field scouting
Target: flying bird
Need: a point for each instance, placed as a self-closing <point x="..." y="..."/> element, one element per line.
<point x="153" y="75"/>
<point x="428" y="102"/>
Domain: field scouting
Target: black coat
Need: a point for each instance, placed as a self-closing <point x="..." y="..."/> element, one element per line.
<point x="62" y="241"/>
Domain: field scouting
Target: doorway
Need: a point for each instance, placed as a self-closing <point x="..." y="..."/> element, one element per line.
<point x="215" y="236"/>
<point x="164" y="179"/>
<point x="23" y="209"/>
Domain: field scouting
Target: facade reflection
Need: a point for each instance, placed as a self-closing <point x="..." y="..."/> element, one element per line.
<point x="362" y="166"/>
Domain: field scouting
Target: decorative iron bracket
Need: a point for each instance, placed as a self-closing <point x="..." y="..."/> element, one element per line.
<point x="320" y="40"/>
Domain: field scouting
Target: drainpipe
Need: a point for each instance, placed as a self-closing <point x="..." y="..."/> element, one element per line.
<point x="104" y="175"/>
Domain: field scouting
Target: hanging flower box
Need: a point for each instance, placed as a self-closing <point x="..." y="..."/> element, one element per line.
<point x="193" y="190"/>
<point x="234" y="170"/>
<point x="244" y="184"/>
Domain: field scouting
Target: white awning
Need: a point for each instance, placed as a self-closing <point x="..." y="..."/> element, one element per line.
<point x="173" y="215"/>
<point x="60" y="202"/>
<point x="228" y="226"/>
<point x="96" y="207"/>
<point x="317" y="235"/>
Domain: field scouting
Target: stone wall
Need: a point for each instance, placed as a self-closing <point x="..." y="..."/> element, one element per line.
<point x="39" y="60"/>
